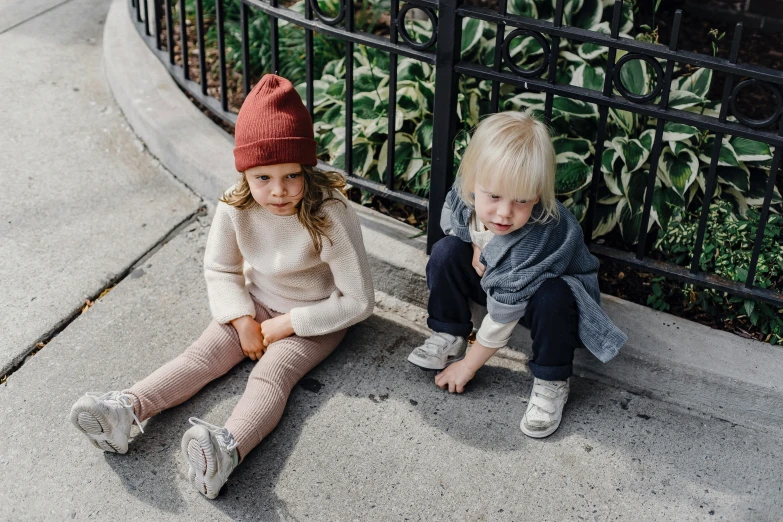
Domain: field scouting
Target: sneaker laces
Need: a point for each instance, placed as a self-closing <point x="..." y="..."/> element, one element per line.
<point x="123" y="399"/>
<point x="222" y="435"/>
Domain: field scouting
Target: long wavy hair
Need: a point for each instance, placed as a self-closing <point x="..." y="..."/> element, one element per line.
<point x="318" y="187"/>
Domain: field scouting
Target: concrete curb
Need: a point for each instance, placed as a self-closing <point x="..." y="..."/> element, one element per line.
<point x="680" y="362"/>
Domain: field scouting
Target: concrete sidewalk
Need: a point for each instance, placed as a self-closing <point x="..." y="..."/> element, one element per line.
<point x="79" y="199"/>
<point x="366" y="436"/>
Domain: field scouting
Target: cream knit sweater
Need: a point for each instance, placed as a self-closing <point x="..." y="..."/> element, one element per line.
<point x="253" y="251"/>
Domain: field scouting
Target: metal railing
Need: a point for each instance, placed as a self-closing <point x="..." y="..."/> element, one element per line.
<point x="443" y="51"/>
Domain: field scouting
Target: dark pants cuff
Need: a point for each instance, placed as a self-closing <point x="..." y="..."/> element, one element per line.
<point x="551" y="373"/>
<point x="459" y="329"/>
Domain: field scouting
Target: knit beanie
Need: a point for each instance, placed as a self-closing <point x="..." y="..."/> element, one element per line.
<point x="273" y="127"/>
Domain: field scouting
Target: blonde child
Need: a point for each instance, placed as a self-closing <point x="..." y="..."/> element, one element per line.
<point x="515" y="249"/>
<point x="286" y="274"/>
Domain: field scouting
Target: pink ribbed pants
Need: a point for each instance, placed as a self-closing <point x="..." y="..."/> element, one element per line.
<point x="213" y="355"/>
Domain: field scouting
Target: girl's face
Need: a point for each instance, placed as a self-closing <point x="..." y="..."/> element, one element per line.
<point x="501" y="215"/>
<point x="277" y="188"/>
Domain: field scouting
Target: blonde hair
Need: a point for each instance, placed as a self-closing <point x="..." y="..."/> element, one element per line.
<point x="511" y="154"/>
<point x="318" y="186"/>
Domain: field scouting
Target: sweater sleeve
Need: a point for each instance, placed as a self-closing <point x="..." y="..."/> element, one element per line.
<point x="223" y="263"/>
<point x="354" y="299"/>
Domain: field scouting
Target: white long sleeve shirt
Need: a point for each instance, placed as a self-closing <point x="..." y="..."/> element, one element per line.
<point x="491" y="334"/>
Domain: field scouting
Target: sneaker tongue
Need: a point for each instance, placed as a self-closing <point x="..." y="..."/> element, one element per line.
<point x="450" y="338"/>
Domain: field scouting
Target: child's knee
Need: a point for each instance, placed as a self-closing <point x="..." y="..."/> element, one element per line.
<point x="447" y="251"/>
<point x="553" y="296"/>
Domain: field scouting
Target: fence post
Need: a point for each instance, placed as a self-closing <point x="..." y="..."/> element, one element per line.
<point x="444" y="118"/>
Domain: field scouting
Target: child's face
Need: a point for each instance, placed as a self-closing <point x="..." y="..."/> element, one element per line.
<point x="277" y="188"/>
<point x="501" y="215"/>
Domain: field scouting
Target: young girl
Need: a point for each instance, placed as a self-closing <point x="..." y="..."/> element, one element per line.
<point x="286" y="274"/>
<point x="516" y="250"/>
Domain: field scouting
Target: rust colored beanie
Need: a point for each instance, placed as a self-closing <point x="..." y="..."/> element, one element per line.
<point x="273" y="127"/>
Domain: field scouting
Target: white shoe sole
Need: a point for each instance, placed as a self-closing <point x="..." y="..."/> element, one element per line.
<point x="202" y="461"/>
<point x="425" y="365"/>
<point x="91" y="420"/>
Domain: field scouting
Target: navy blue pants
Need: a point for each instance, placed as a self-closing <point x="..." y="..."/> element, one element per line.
<point x="552" y="315"/>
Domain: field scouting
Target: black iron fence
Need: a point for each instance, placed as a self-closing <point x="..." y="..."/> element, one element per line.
<point x="443" y="51"/>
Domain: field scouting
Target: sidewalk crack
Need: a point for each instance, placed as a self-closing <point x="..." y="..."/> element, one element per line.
<point x="41" y="343"/>
<point x="34" y="16"/>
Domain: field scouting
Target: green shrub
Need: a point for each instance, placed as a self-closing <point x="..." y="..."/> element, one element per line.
<point x="728" y="244"/>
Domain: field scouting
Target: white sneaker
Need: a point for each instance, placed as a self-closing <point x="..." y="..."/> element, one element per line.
<point x="211" y="454"/>
<point x="106" y="419"/>
<point x="440" y="350"/>
<point x="545" y="408"/>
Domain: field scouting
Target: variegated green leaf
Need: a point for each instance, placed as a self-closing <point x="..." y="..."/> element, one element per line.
<point x="610" y="154"/>
<point x="624" y="119"/>
<point x="581" y="147"/>
<point x="409" y="100"/>
<point x="633" y="154"/>
<point x="571" y="57"/>
<point x="365" y="80"/>
<point x="335" y="116"/>
<point x="697" y="83"/>
<point x="590" y="51"/>
<point x="678" y="171"/>
<point x="749" y="150"/>
<point x="635" y="77"/>
<point x="606" y="217"/>
<point x="335" y="68"/>
<point x="678" y="131"/>
<point x="523" y="8"/>
<point x="588" y="77"/>
<point x="573" y="107"/>
<point x="679" y="99"/>
<point x="678" y="146"/>
<point x="626" y="20"/>
<point x="737" y="199"/>
<point x="525" y="100"/>
<point x="364" y="106"/>
<point x="758" y="187"/>
<point x="736" y="177"/>
<point x="407" y="157"/>
<point x="630" y="220"/>
<point x="412" y="70"/>
<point x="423" y="134"/>
<point x="646" y="139"/>
<point x="336" y="90"/>
<point x="634" y="185"/>
<point x="589" y="15"/>
<point x="368" y="128"/>
<point x="524" y="47"/>
<point x="362" y="155"/>
<point x="666" y="205"/>
<point x="472" y="29"/>
<point x="572" y="173"/>
<point x="726" y="157"/>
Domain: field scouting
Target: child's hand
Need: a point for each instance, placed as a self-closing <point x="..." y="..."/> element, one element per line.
<point x="476" y="263"/>
<point x="277" y="328"/>
<point x="250" y="337"/>
<point x="455" y="376"/>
